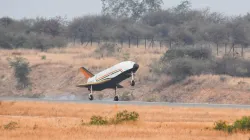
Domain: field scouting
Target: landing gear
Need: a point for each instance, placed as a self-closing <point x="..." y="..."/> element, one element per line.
<point x="91" y="97"/>
<point x="132" y="83"/>
<point x="116" y="98"/>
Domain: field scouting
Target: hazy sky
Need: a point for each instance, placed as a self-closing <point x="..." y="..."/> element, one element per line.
<point x="71" y="8"/>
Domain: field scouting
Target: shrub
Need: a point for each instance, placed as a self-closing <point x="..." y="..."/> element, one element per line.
<point x="180" y="68"/>
<point x="98" y="120"/>
<point x="126" y="116"/>
<point x="11" y="126"/>
<point x="21" y="70"/>
<point x="220" y="125"/>
<point x="195" y="53"/>
<point x="120" y="117"/>
<point x="180" y="63"/>
<point x="223" y="126"/>
<point x="243" y="124"/>
<point x="233" y="67"/>
<point x="43" y="57"/>
<point x="106" y="50"/>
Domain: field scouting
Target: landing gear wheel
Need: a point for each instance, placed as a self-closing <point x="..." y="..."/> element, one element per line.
<point x="91" y="97"/>
<point x="132" y="83"/>
<point x="116" y="98"/>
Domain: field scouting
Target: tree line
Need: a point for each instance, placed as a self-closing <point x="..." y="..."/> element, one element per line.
<point x="129" y="21"/>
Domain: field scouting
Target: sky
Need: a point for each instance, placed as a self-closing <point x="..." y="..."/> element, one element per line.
<point x="19" y="9"/>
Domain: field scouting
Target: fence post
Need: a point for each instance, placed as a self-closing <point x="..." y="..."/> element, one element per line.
<point x="170" y="44"/>
<point x="152" y="43"/>
<point x="91" y="40"/>
<point x="233" y="49"/>
<point x="121" y="42"/>
<point x="99" y="41"/>
<point x="160" y="44"/>
<point x="242" y="51"/>
<point x="137" y="41"/>
<point x="145" y="43"/>
<point x="129" y="42"/>
<point x="217" y="49"/>
<point x="225" y="48"/>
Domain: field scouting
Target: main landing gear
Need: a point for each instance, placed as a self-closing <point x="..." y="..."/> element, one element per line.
<point x="91" y="97"/>
<point x="116" y="98"/>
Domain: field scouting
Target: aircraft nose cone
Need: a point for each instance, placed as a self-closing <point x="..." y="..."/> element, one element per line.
<point x="135" y="67"/>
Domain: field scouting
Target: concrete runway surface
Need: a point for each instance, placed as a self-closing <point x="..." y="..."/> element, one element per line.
<point x="73" y="99"/>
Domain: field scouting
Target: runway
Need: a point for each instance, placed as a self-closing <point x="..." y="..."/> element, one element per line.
<point x="110" y="101"/>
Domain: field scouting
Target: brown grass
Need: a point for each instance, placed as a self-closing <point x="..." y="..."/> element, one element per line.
<point x="41" y="120"/>
<point x="59" y="74"/>
<point x="78" y="55"/>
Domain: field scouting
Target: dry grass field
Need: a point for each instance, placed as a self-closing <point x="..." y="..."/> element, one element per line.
<point x="62" y="121"/>
<point x="59" y="72"/>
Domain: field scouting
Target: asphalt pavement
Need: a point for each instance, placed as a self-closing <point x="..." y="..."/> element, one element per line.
<point x="110" y="101"/>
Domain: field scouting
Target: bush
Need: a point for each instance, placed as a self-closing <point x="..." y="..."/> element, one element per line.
<point x="11" y="126"/>
<point x="120" y="117"/>
<point x="180" y="68"/>
<point x="233" y="67"/>
<point x="43" y="57"/>
<point x="223" y="126"/>
<point x="20" y="40"/>
<point x="243" y="125"/>
<point x="180" y="63"/>
<point x="106" y="50"/>
<point x="195" y="53"/>
<point x="21" y="70"/>
<point x="126" y="116"/>
<point x="183" y="62"/>
<point x="98" y="120"/>
<point x="220" y="125"/>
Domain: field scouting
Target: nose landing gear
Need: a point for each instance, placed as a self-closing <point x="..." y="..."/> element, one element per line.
<point x="132" y="83"/>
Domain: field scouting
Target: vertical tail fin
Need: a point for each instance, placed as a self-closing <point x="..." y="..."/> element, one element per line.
<point x="86" y="73"/>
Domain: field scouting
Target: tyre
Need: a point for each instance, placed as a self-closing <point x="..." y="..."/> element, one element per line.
<point x="91" y="97"/>
<point x="116" y="98"/>
<point x="133" y="83"/>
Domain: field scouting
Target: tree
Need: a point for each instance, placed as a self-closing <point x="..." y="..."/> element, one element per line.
<point x="134" y="9"/>
<point x="90" y="27"/>
<point x="21" y="71"/>
<point x="6" y="21"/>
<point x="183" y="7"/>
<point x="53" y="26"/>
<point x="216" y="33"/>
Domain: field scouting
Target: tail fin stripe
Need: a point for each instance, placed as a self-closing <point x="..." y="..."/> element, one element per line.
<point x="86" y="73"/>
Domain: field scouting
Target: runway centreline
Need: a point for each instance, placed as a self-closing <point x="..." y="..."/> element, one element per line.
<point x="196" y="105"/>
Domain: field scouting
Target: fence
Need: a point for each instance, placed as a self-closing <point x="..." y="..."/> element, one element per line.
<point x="220" y="49"/>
